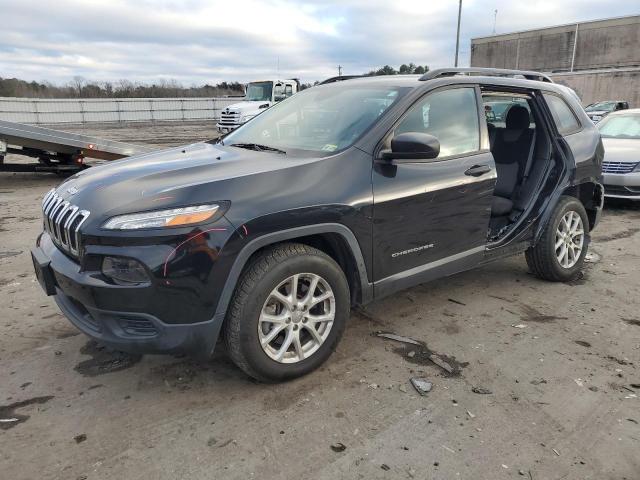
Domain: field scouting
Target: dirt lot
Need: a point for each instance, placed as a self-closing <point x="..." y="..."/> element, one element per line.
<point x="564" y="385"/>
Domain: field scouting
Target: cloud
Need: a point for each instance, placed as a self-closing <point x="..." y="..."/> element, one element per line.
<point x="207" y="41"/>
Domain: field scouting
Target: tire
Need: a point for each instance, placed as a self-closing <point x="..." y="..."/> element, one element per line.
<point x="258" y="296"/>
<point x="543" y="258"/>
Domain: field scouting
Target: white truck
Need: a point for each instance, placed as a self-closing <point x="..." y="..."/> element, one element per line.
<point x="260" y="96"/>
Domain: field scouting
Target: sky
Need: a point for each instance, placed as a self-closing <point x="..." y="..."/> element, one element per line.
<point x="208" y="41"/>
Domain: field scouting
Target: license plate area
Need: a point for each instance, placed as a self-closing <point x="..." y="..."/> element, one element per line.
<point x="44" y="273"/>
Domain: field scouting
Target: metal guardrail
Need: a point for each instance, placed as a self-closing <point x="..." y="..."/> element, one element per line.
<point x="111" y="110"/>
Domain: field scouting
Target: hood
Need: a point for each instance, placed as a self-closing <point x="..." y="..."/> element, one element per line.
<point x="248" y="106"/>
<point x="198" y="173"/>
<point x="621" y="150"/>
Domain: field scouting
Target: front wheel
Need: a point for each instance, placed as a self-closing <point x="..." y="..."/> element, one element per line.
<point x="288" y="313"/>
<point x="559" y="254"/>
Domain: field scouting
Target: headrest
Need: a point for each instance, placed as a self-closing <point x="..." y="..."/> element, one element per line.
<point x="517" y="118"/>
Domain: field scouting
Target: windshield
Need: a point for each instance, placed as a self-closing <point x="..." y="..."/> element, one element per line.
<point x="604" y="106"/>
<point x="322" y="119"/>
<point x="259" y="92"/>
<point x="620" y="126"/>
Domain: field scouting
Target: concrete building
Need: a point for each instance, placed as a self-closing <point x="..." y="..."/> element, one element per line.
<point x="599" y="59"/>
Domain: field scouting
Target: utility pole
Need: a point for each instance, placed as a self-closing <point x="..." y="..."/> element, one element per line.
<point x="339" y="70"/>
<point x="458" y="33"/>
<point x="495" y="19"/>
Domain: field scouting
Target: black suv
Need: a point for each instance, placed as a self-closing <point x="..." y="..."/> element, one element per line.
<point x="342" y="194"/>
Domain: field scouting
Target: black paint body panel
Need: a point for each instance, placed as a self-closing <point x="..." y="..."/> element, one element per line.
<point x="432" y="211"/>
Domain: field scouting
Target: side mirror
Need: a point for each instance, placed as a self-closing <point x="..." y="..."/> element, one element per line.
<point x="412" y="146"/>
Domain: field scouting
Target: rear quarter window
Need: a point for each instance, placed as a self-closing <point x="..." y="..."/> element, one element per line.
<point x="566" y="121"/>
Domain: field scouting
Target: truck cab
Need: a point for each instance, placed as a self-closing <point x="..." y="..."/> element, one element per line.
<point x="260" y="95"/>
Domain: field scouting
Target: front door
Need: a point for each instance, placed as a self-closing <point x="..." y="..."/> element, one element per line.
<point x="431" y="217"/>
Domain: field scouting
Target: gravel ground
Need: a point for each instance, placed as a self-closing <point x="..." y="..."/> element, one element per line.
<point x="564" y="388"/>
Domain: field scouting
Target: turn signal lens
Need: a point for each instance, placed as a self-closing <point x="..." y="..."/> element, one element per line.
<point x="189" y="218"/>
<point x="175" y="217"/>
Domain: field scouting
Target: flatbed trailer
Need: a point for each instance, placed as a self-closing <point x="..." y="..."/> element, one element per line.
<point x="56" y="151"/>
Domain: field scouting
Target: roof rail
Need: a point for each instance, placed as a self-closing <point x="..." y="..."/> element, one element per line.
<point x="339" y="79"/>
<point x="487" y="72"/>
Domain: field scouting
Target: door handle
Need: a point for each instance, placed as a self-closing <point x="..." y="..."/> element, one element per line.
<point x="477" y="170"/>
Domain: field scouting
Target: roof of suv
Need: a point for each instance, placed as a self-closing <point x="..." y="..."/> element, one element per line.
<point x="481" y="75"/>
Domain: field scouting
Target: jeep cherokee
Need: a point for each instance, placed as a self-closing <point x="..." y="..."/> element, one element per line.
<point x="342" y="194"/>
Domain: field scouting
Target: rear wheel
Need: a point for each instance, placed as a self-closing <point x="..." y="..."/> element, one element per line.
<point x="559" y="255"/>
<point x="288" y="313"/>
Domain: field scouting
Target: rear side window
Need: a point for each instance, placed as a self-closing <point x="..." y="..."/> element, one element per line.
<point x="449" y="115"/>
<point x="565" y="119"/>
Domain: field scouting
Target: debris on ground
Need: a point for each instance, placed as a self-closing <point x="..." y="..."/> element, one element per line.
<point x="471" y="415"/>
<point x="592" y="257"/>
<point x="441" y="363"/>
<point x="453" y="300"/>
<point x="582" y="343"/>
<point x="385" y="467"/>
<point x="556" y="451"/>
<point x="411" y="354"/>
<point x="9" y="418"/>
<point x="538" y="381"/>
<point x="481" y="390"/>
<point x="402" y="388"/>
<point x="338" y="447"/>
<point x="579" y="382"/>
<point x="398" y="338"/>
<point x="80" y="438"/>
<point x="520" y="325"/>
<point x="422" y="385"/>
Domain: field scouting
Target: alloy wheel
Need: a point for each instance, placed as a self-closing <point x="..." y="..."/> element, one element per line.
<point x="569" y="239"/>
<point x="296" y="318"/>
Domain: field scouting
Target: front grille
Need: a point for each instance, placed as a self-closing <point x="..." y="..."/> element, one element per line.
<point x="230" y="118"/>
<point x="618" y="167"/>
<point x="62" y="221"/>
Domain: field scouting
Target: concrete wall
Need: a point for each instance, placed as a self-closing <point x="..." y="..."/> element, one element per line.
<point x="600" y="60"/>
<point x="600" y="44"/>
<point x="101" y="110"/>
<point x="604" y="85"/>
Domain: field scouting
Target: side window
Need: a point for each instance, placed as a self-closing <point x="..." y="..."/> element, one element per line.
<point x="565" y="120"/>
<point x="288" y="90"/>
<point x="449" y="115"/>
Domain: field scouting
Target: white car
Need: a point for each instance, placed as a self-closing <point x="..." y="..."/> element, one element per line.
<point x="620" y="133"/>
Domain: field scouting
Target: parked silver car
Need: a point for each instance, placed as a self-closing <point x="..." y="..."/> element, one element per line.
<point x="620" y="133"/>
<point x="597" y="111"/>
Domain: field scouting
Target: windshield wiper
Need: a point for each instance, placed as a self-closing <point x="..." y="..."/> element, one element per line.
<point x="258" y="148"/>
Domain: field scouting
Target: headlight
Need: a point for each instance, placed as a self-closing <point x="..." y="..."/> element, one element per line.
<point x="175" y="217"/>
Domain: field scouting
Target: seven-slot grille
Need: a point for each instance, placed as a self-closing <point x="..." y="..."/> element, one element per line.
<point x="62" y="222"/>
<point x="618" y="167"/>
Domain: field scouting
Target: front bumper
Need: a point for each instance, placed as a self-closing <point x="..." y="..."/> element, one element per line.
<point x="625" y="185"/>
<point x="138" y="332"/>
<point x="226" y="128"/>
<point x="168" y="315"/>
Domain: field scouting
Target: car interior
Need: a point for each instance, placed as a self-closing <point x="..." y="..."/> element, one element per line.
<point x="522" y="153"/>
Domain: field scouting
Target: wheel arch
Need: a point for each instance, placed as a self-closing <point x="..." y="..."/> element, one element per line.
<point x="591" y="195"/>
<point x="334" y="239"/>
